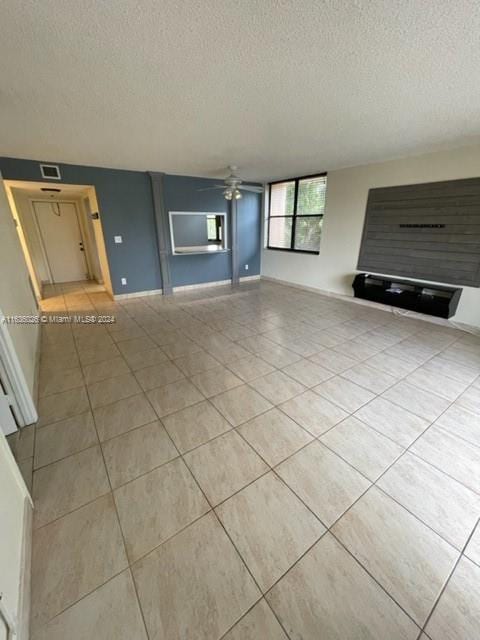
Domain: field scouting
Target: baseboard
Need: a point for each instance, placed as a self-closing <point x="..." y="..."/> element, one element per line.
<point x="184" y="287"/>
<point x="445" y="322"/>
<point x="201" y="285"/>
<point x="23" y="624"/>
<point x="216" y="283"/>
<point x="137" y="294"/>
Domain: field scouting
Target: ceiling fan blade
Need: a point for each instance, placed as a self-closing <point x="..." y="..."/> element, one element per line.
<point x="252" y="188"/>
<point x="215" y="186"/>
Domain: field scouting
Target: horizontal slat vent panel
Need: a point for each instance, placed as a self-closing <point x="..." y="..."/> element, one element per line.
<point x="426" y="231"/>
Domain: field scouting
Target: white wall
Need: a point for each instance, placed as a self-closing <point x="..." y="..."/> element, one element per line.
<point x="16" y="296"/>
<point x="15" y="539"/>
<point x="347" y="190"/>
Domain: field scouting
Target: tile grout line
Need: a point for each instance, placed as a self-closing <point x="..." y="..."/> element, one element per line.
<point x="447" y="580"/>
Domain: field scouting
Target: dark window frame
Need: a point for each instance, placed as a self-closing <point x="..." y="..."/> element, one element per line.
<point x="294" y="215"/>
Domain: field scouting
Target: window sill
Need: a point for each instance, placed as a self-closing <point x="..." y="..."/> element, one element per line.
<point x="312" y="253"/>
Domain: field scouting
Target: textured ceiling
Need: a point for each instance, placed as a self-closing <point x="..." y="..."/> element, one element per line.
<point x="278" y="87"/>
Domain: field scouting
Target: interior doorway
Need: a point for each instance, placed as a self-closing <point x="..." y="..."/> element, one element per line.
<point x="61" y="234"/>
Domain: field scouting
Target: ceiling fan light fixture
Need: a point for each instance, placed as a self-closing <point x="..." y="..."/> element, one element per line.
<point x="228" y="193"/>
<point x="237" y="194"/>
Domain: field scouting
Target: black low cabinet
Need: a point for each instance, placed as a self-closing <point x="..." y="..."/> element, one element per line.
<point x="434" y="300"/>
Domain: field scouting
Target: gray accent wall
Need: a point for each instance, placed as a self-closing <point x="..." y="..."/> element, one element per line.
<point x="181" y="193"/>
<point x="428" y="231"/>
<point x="126" y="208"/>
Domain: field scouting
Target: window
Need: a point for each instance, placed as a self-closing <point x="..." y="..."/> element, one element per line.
<point x="214" y="228"/>
<point x="296" y="214"/>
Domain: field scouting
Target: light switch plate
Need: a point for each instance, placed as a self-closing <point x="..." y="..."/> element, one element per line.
<point x="118" y="239"/>
<point x="124" y="281"/>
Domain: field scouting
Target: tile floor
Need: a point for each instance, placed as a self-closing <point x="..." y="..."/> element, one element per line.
<point x="253" y="464"/>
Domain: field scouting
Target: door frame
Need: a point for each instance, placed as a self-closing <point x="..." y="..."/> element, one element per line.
<point x="59" y="201"/>
<point x="13" y="379"/>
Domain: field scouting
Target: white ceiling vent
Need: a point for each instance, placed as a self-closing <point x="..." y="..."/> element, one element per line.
<point x="50" y="171"/>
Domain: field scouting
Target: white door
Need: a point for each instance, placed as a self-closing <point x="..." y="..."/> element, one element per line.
<point x="7" y="421"/>
<point x="60" y="230"/>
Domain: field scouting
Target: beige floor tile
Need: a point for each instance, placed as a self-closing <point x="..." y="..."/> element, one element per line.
<point x="122" y="416"/>
<point x="470" y="400"/>
<point x="409" y="560"/>
<point x="97" y="354"/>
<point x="372" y="379"/>
<point x="357" y="349"/>
<point x="250" y="368"/>
<point x="473" y="547"/>
<point x="422" y="403"/>
<point x="410" y="352"/>
<point x="225" y="355"/>
<point x="259" y="624"/>
<point x="274" y="436"/>
<point x="393" y="366"/>
<point x="109" y="613"/>
<point x="277" y="387"/>
<point x="240" y="404"/>
<point x="67" y="360"/>
<point x="328" y="595"/>
<point x="21" y="443"/>
<point x="393" y="421"/>
<point x="256" y="343"/>
<point x="129" y="333"/>
<point x="442" y="503"/>
<point x="362" y="447"/>
<point x="65" y="485"/>
<point x="307" y="372"/>
<point x="159" y="375"/>
<point x="185" y="592"/>
<point x="157" y="505"/>
<point x="137" y="452"/>
<point x="224" y="465"/>
<point x="26" y="469"/>
<point x="279" y="356"/>
<point x="181" y="348"/>
<point x="270" y="527"/>
<point x="105" y="369"/>
<point x="143" y="359"/>
<point x="452" y="369"/>
<point x="457" y="614"/>
<point x="437" y="383"/>
<point x="74" y="555"/>
<point x="302" y="347"/>
<point x="347" y="395"/>
<point x="195" y="363"/>
<point x="62" y="405"/>
<point x="461" y="422"/>
<point x="63" y="438"/>
<point x="136" y="345"/>
<point x="55" y="381"/>
<point x="215" y="381"/>
<point x="167" y="336"/>
<point x="112" y="390"/>
<point x="333" y="360"/>
<point x="174" y="397"/>
<point x="327" y="484"/>
<point x="195" y="425"/>
<point x="450" y="454"/>
<point x="314" y="413"/>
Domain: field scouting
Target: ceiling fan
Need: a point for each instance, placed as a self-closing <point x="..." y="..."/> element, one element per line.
<point x="233" y="186"/>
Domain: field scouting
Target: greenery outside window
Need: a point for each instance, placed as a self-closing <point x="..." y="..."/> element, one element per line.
<point x="295" y="219"/>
